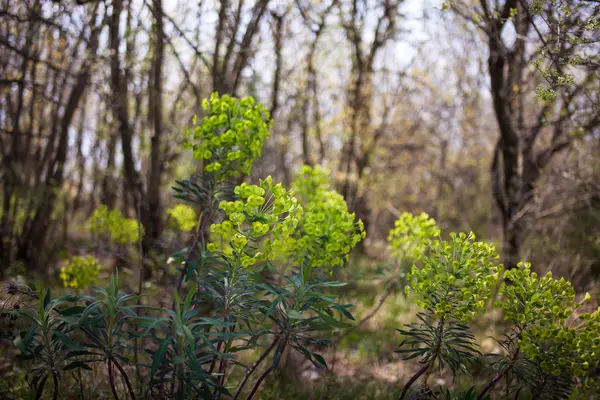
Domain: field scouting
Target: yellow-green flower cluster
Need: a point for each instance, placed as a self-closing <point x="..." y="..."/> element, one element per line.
<point x="230" y="136"/>
<point x="80" y="272"/>
<point x="542" y="308"/>
<point x="457" y="277"/>
<point x="588" y="352"/>
<point x="310" y="181"/>
<point x="328" y="231"/>
<point x="411" y="235"/>
<point x="112" y="225"/>
<point x="533" y="300"/>
<point x="183" y="217"/>
<point x="262" y="210"/>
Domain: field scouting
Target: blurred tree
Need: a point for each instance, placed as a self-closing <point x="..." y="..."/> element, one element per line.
<point x="515" y="39"/>
<point x="37" y="130"/>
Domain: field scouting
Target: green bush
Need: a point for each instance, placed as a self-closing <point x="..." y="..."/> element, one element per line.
<point x="550" y="351"/>
<point x="112" y="226"/>
<point x="230" y="304"/>
<point x="80" y="272"/>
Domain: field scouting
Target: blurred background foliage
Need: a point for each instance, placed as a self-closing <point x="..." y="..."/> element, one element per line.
<point x="485" y="116"/>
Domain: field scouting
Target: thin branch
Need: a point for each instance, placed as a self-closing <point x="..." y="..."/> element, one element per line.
<point x="251" y="370"/>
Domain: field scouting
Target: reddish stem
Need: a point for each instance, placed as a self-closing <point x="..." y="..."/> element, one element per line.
<point x="111" y="379"/>
<point x="250" y="371"/>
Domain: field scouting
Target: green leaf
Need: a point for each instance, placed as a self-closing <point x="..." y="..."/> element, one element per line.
<point x="159" y="355"/>
<point x="77" y="364"/>
<point x="189" y="297"/>
<point x="320" y="360"/>
<point x="65" y="339"/>
<point x="194" y="364"/>
<point x="293" y="314"/>
<point x="40" y="388"/>
<point x="45" y="300"/>
<point x="329" y="284"/>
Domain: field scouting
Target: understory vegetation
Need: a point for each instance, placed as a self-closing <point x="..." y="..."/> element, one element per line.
<point x="259" y="280"/>
<point x="300" y="199"/>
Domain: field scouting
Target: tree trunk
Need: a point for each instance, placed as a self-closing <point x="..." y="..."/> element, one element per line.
<point x="154" y="221"/>
<point x="35" y="237"/>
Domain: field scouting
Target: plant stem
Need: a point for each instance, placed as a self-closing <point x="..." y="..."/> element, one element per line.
<point x="80" y="384"/>
<point x="55" y="391"/>
<point x="259" y="381"/>
<point x="224" y="364"/>
<point x="490" y="385"/>
<point x="47" y="343"/>
<point x="389" y="289"/>
<point x="263" y="376"/>
<point x="499" y="376"/>
<point x="204" y="221"/>
<point x="424" y="368"/>
<point x="181" y="393"/>
<point x="251" y="370"/>
<point x="138" y="372"/>
<point x="214" y="361"/>
<point x="414" y="378"/>
<point x="124" y="375"/>
<point x="111" y="379"/>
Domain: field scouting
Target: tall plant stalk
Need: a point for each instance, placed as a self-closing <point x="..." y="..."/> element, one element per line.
<point x="429" y="364"/>
<point x="266" y="373"/>
<point x="499" y="376"/>
<point x="251" y="370"/>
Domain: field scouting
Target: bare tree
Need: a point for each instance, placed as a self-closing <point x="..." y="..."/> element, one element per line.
<point x="530" y="135"/>
<point x="317" y="26"/>
<point x="363" y="137"/>
<point x="29" y="193"/>
<point x="234" y="44"/>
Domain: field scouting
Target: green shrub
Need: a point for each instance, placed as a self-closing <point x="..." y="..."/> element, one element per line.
<point x="548" y="352"/>
<point x="112" y="226"/>
<point x="230" y="304"/>
<point x="80" y="272"/>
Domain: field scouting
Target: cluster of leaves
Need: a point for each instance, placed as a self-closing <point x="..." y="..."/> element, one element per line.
<point x="230" y="136"/>
<point x="72" y="333"/>
<point x="112" y="226"/>
<point x="572" y="34"/>
<point x="80" y="272"/>
<point x="182" y="217"/>
<point x="550" y="351"/>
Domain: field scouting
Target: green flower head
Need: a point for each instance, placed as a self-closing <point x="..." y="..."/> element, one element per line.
<point x="183" y="217"/>
<point x="411" y="235"/>
<point x="111" y="225"/>
<point x="327" y="230"/>
<point x="230" y="136"/>
<point x="80" y="272"/>
<point x="543" y="309"/>
<point x="263" y="210"/>
<point x="457" y="277"/>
